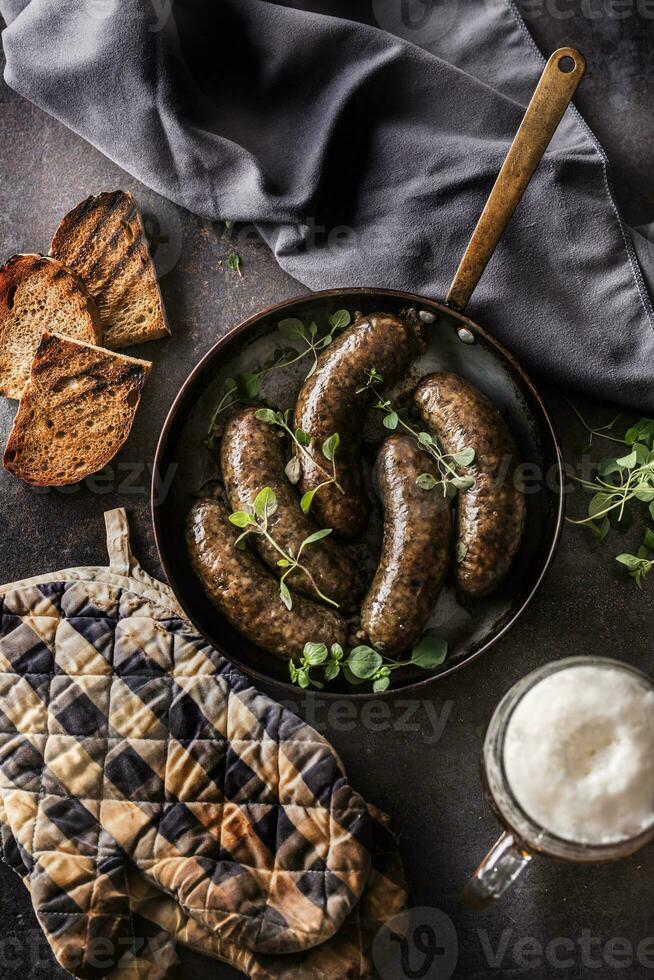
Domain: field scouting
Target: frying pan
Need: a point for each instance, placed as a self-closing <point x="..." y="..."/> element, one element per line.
<point x="455" y="343"/>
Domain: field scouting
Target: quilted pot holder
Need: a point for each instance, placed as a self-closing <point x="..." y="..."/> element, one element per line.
<point x="159" y="923"/>
<point x="126" y="742"/>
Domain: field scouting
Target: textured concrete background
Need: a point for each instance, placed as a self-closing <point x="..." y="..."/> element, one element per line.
<point x="428" y="785"/>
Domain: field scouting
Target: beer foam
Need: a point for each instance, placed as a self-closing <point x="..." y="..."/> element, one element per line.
<point x="579" y="754"/>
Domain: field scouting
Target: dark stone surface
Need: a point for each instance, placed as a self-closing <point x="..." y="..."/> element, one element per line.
<point x="428" y="784"/>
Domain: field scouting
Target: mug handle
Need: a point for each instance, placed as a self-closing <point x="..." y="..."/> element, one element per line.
<point x="497" y="872"/>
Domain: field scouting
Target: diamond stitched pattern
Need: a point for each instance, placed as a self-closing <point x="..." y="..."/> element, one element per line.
<point x="124" y="736"/>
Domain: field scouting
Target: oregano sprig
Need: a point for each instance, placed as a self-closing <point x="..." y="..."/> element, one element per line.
<point x="362" y="663"/>
<point x="450" y="480"/>
<point x="301" y="440"/>
<point x="244" y="388"/>
<point x="294" y="330"/>
<point x="256" y="521"/>
<point x="619" y="483"/>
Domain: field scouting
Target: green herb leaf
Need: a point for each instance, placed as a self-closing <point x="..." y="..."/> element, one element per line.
<point x="265" y="503"/>
<point x="607" y="466"/>
<point x="241" y="518"/>
<point x="315" y="653"/>
<point x="337" y="651"/>
<point x="391" y="420"/>
<point x="332" y="670"/>
<point x="381" y="684"/>
<point x="425" y="439"/>
<point x="304" y="438"/>
<point x="291" y="329"/>
<point x="286" y="596"/>
<point x="330" y="446"/>
<point x="293" y="470"/>
<point x="248" y="384"/>
<point x="628" y="461"/>
<point x="648" y="540"/>
<point x="598" y="503"/>
<point x="364" y="662"/>
<point x="426" y="481"/>
<point x="462" y="482"/>
<point x="465" y="457"/>
<point x="303" y="678"/>
<point x="339" y="320"/>
<point x="631" y="561"/>
<point x="642" y="431"/>
<point x="350" y="677"/>
<point x="642" y="452"/>
<point x="266" y="415"/>
<point x="234" y="262"/>
<point x="317" y="536"/>
<point x="599" y="529"/>
<point x="307" y="500"/>
<point x="429" y="652"/>
<point x="283" y="563"/>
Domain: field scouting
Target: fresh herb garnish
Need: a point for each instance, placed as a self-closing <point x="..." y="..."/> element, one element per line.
<point x="363" y="663"/>
<point x="234" y="263"/>
<point x="244" y="388"/>
<point x="619" y="483"/>
<point x="301" y="440"/>
<point x="639" y="566"/>
<point x="256" y="522"/>
<point x="294" y="330"/>
<point x="450" y="480"/>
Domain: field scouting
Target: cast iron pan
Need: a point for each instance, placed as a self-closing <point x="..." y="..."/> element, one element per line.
<point x="455" y="343"/>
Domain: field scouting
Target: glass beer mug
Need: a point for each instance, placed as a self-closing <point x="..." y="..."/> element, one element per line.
<point x="568" y="768"/>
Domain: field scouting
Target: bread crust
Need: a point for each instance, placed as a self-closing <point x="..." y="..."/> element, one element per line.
<point x="75" y="413"/>
<point x="37" y="291"/>
<point x="103" y="239"/>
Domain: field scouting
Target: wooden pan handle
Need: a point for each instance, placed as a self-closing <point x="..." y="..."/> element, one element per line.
<point x="557" y="85"/>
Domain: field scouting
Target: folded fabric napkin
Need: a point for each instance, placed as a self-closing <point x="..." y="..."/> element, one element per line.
<point x="363" y="151"/>
<point x="129" y="747"/>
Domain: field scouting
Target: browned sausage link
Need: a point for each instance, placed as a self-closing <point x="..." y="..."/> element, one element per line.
<point x="252" y="457"/>
<point x="415" y="551"/>
<point x="491" y="515"/>
<point x="247" y="594"/>
<point x="328" y="403"/>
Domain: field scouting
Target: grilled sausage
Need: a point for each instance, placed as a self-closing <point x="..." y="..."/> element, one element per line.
<point x="328" y="402"/>
<point x="415" y="551"/>
<point x="252" y="457"/>
<point x="247" y="594"/>
<point x="491" y="514"/>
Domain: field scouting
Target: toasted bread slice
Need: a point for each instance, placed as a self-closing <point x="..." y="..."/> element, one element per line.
<point x="38" y="292"/>
<point x="75" y="413"/>
<point x="103" y="240"/>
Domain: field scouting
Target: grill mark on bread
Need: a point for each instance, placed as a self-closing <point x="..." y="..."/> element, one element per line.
<point x="117" y="266"/>
<point x="113" y="256"/>
<point x="84" y="396"/>
<point x="35" y="291"/>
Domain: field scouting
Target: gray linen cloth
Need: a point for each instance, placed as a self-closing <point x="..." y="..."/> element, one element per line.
<point x="364" y="149"/>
